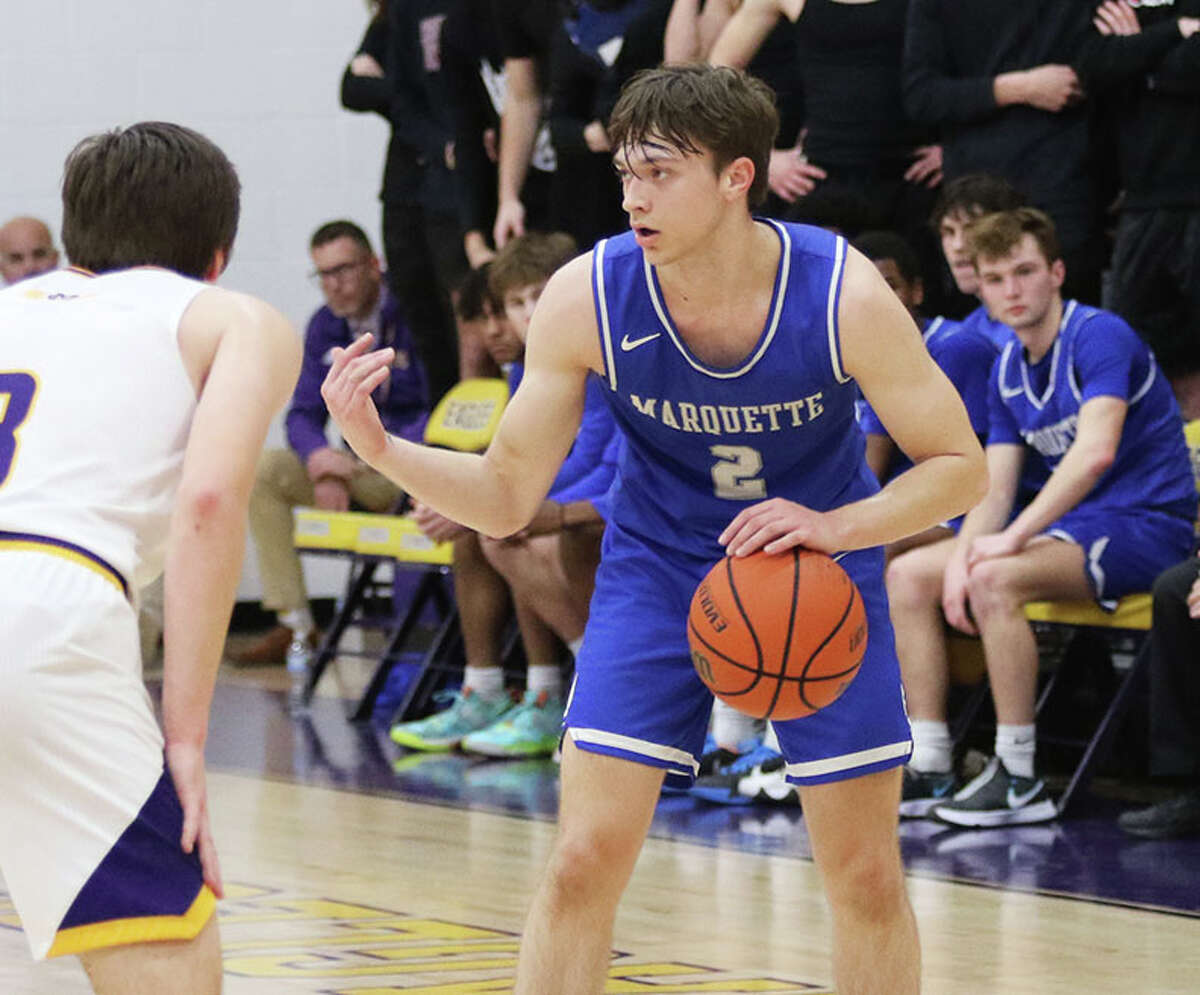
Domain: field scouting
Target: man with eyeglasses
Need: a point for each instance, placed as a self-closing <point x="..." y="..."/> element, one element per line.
<point x="26" y="249"/>
<point x="311" y="472"/>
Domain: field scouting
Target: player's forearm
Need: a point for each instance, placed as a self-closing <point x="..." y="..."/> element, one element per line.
<point x="204" y="564"/>
<point x="935" y="490"/>
<point x="1072" y="480"/>
<point x="470" y="489"/>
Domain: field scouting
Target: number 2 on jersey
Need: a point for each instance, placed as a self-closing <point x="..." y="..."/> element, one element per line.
<point x="735" y="474"/>
<point x="16" y="401"/>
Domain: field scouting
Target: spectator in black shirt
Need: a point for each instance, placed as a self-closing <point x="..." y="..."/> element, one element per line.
<point x="525" y="30"/>
<point x="997" y="80"/>
<point x="1150" y="60"/>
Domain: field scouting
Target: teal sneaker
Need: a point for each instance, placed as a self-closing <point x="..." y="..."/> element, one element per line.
<point x="468" y="712"/>
<point x="532" y="729"/>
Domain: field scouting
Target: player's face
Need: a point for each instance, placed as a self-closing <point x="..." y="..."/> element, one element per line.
<point x="349" y="276"/>
<point x="672" y="198"/>
<point x="910" y="292"/>
<point x="519" y="304"/>
<point x="499" y="337"/>
<point x="25" y="250"/>
<point x="1020" y="288"/>
<point x="953" y="231"/>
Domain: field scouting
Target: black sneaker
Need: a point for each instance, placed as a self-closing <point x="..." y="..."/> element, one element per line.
<point x="767" y="781"/>
<point x="1178" y="816"/>
<point x="923" y="790"/>
<point x="998" y="798"/>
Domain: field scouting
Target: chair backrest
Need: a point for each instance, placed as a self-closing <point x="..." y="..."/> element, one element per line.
<point x="467" y="415"/>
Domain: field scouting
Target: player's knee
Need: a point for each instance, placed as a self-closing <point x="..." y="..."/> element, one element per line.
<point x="910" y="586"/>
<point x="992" y="586"/>
<point x="867" y="883"/>
<point x="588" y="862"/>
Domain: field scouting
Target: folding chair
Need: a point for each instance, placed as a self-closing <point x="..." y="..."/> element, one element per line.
<point x="1130" y="622"/>
<point x="465" y="419"/>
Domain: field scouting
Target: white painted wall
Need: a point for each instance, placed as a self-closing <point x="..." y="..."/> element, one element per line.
<point x="259" y="78"/>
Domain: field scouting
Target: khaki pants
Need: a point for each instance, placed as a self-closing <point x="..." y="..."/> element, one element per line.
<point x="280" y="485"/>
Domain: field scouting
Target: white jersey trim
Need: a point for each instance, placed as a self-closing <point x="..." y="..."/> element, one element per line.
<point x="602" y="307"/>
<point x="831" y="303"/>
<point x="785" y="265"/>
<point x="848" y="761"/>
<point x="642" y="747"/>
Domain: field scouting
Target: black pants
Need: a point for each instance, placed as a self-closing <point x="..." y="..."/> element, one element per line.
<point x="1156" y="282"/>
<point x="425" y="261"/>
<point x="1175" y="676"/>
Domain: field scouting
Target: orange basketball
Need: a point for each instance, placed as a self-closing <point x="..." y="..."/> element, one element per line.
<point x="777" y="636"/>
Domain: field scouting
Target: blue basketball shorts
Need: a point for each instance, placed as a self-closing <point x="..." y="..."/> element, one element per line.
<point x="90" y="822"/>
<point x="637" y="696"/>
<point x="1125" y="548"/>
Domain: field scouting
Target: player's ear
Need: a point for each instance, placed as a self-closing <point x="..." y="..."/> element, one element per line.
<point x="738" y="177"/>
<point x="1058" y="270"/>
<point x="217" y="266"/>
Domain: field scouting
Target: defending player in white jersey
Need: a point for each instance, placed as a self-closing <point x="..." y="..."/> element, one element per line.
<point x="134" y="400"/>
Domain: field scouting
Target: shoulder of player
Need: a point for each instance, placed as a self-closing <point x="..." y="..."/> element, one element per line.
<point x="216" y="312"/>
<point x="568" y="294"/>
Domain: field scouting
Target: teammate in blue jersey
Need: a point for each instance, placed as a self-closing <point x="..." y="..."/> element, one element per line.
<point x="1078" y="396"/>
<point x="729" y="348"/>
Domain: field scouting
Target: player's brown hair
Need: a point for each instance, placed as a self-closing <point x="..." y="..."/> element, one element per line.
<point x="531" y="258"/>
<point x="994" y="236"/>
<point x="152" y="194"/>
<point x="698" y="106"/>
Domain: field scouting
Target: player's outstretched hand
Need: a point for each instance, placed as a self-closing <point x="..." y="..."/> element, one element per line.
<point x="776" y="525"/>
<point x="355" y="373"/>
<point x="186" y="764"/>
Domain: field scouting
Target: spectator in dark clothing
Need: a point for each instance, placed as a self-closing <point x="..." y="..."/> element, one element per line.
<point x="1148" y="60"/>
<point x="1174" y="704"/>
<point x="996" y="79"/>
<point x="475" y="87"/>
<point x="859" y="145"/>
<point x="381" y="79"/>
<point x="525" y="31"/>
<point x="583" y="55"/>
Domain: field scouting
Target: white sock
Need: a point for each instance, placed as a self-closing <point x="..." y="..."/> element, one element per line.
<point x="299" y="621"/>
<point x="544" y="677"/>
<point x="487" y="682"/>
<point x="931" y="746"/>
<point x="729" y="726"/>
<point x="574" y="646"/>
<point x="1015" y="746"/>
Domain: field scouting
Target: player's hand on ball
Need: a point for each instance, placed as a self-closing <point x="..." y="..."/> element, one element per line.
<point x="186" y="764"/>
<point x="777" y="525"/>
<point x="355" y="373"/>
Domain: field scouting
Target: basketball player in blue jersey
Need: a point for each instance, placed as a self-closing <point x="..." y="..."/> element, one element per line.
<point x="1079" y="398"/>
<point x="134" y="400"/>
<point x="729" y="348"/>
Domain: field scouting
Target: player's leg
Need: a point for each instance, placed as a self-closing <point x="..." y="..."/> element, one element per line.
<point x="579" y="549"/>
<point x="184" y="967"/>
<point x="604" y="814"/>
<point x="374" y="491"/>
<point x="1046" y="570"/>
<point x="534" y="570"/>
<point x="483" y="606"/>
<point x="914" y="588"/>
<point x="852" y="825"/>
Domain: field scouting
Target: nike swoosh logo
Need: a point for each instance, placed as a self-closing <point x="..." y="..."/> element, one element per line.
<point x="628" y="344"/>
<point x="1018" y="801"/>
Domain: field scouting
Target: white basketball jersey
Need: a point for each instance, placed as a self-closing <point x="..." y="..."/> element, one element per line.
<point x="95" y="408"/>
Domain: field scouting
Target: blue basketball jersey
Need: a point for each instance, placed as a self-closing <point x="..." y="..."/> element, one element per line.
<point x="702" y="442"/>
<point x="982" y="323"/>
<point x="1095" y="354"/>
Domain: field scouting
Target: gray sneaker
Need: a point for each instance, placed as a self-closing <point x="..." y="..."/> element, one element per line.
<point x="998" y="798"/>
<point x="924" y="790"/>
